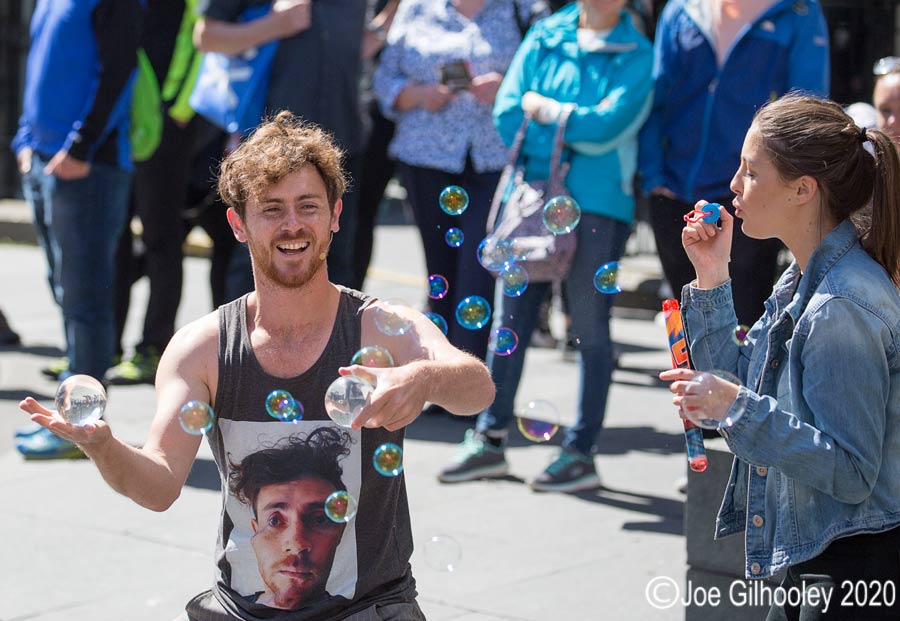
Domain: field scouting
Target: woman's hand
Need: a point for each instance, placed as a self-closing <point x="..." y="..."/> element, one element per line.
<point x="484" y="87"/>
<point x="700" y="397"/>
<point x="709" y="247"/>
<point x="431" y="97"/>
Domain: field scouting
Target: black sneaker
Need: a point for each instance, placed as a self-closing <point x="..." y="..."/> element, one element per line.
<point x="477" y="459"/>
<point x="570" y="472"/>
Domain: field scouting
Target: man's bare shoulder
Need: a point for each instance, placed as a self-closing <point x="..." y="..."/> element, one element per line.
<point x="196" y="342"/>
<point x="404" y="331"/>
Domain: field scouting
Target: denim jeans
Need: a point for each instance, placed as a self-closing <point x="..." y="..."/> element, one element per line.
<point x="78" y="224"/>
<point x="600" y="240"/>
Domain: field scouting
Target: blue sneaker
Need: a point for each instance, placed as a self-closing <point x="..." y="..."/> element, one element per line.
<point x="570" y="472"/>
<point x="28" y="429"/>
<point x="44" y="444"/>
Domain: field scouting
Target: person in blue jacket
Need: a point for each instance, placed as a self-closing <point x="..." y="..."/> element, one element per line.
<point x="716" y="62"/>
<point x="74" y="155"/>
<point x="815" y="421"/>
<point x="588" y="56"/>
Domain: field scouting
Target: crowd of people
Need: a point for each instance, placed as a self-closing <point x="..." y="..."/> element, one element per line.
<point x="290" y="208"/>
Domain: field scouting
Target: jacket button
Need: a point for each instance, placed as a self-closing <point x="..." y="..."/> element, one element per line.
<point x="757" y="521"/>
<point x="775" y="363"/>
<point x="755" y="569"/>
<point x="762" y="471"/>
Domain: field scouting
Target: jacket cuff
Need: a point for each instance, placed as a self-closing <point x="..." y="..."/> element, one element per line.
<point x="706" y="299"/>
<point x="76" y="146"/>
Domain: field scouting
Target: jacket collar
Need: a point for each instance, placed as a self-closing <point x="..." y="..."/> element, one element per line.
<point x="701" y="12"/>
<point x="561" y="31"/>
<point x="832" y="248"/>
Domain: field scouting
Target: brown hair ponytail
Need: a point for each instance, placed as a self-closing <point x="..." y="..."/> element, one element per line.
<point x="883" y="237"/>
<point x="806" y="135"/>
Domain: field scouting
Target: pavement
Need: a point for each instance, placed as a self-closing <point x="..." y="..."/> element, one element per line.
<point x="77" y="551"/>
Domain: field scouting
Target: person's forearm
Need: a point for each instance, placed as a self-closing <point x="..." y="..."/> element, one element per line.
<point x="409" y="98"/>
<point x="135" y="473"/>
<point x="213" y="35"/>
<point x="463" y="387"/>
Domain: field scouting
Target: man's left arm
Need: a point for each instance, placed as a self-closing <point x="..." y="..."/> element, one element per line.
<point x="427" y="368"/>
<point x="117" y="26"/>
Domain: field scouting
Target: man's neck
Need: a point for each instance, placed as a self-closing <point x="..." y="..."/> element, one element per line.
<point x="292" y="312"/>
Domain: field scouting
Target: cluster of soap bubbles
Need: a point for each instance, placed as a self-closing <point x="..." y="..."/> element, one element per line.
<point x="281" y="405"/>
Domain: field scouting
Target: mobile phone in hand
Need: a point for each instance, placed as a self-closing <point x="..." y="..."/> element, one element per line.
<point x="455" y="75"/>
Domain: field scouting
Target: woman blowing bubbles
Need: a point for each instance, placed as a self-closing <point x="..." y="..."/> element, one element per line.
<point x="815" y="425"/>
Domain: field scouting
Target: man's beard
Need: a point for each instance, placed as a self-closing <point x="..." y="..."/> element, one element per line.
<point x="262" y="260"/>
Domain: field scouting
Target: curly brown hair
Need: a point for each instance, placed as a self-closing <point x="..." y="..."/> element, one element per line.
<point x="289" y="459"/>
<point x="277" y="148"/>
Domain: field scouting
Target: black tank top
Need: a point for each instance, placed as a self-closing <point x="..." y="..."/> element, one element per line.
<point x="371" y="559"/>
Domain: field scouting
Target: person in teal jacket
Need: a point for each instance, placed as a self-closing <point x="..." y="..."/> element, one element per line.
<point x="589" y="57"/>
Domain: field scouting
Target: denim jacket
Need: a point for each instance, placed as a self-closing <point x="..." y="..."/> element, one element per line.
<point x="816" y="425"/>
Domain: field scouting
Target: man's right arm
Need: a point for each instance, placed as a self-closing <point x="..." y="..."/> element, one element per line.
<point x="153" y="475"/>
<point x="214" y="32"/>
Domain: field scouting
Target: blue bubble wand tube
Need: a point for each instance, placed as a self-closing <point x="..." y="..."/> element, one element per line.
<point x="693" y="436"/>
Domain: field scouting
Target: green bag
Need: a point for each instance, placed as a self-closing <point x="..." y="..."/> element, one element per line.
<point x="146" y="111"/>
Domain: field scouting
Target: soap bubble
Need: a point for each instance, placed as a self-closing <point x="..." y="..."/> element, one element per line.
<point x="503" y="341"/>
<point x="281" y="405"/>
<point x="373" y="356"/>
<point x="443" y="553"/>
<point x="711" y="398"/>
<point x="538" y="420"/>
<point x="196" y="417"/>
<point x="454" y="200"/>
<point x="514" y="280"/>
<point x="606" y="277"/>
<point x="454" y="237"/>
<point x="439" y="321"/>
<point x="561" y="215"/>
<point x="388" y="459"/>
<point x="740" y="335"/>
<point x="391" y="319"/>
<point x="493" y="253"/>
<point x="345" y="397"/>
<point x="473" y="312"/>
<point x="437" y="286"/>
<point x="80" y="400"/>
<point x="340" y="507"/>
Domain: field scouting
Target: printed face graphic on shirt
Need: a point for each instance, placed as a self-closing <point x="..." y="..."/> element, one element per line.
<point x="281" y="549"/>
<point x="294" y="541"/>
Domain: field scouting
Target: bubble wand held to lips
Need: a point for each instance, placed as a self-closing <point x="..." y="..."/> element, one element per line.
<point x="693" y="436"/>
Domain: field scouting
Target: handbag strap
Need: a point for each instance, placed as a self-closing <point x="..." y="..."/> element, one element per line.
<point x="557" y="169"/>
